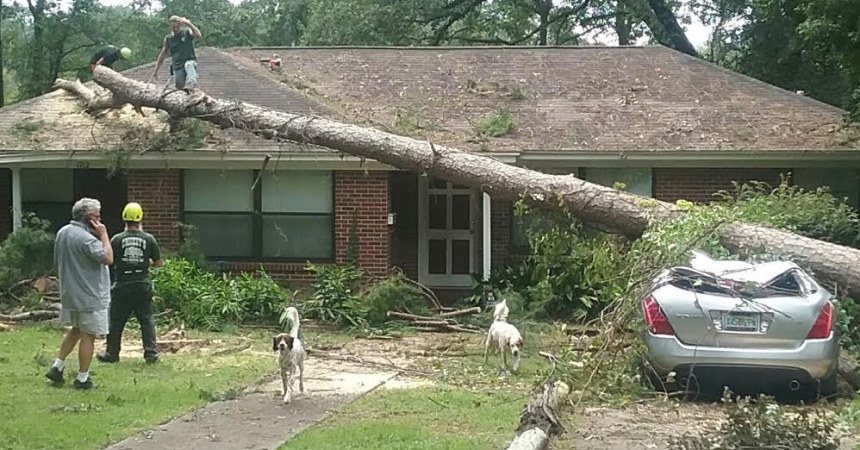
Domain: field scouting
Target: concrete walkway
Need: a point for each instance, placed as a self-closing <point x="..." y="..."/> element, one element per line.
<point x="259" y="419"/>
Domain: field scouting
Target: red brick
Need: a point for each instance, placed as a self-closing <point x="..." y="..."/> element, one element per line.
<point x="157" y="191"/>
<point x="699" y="185"/>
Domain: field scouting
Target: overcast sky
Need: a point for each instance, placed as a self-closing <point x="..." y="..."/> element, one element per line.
<point x="696" y="31"/>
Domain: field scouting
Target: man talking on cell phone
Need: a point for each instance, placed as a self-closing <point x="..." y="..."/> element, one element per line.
<point x="82" y="253"/>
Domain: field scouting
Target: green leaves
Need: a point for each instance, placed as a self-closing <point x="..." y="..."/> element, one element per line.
<point x="203" y="299"/>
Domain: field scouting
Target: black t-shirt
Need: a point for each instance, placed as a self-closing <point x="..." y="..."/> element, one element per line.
<point x="132" y="251"/>
<point x="110" y="54"/>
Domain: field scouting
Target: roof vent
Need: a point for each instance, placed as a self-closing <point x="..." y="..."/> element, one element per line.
<point x="800" y="93"/>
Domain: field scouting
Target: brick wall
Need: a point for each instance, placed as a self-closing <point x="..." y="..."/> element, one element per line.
<point x="361" y="198"/>
<point x="5" y="203"/>
<point x="158" y="192"/>
<point x="699" y="185"/>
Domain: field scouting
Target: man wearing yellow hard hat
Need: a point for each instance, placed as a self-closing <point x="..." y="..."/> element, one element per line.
<point x="135" y="252"/>
<point x="108" y="55"/>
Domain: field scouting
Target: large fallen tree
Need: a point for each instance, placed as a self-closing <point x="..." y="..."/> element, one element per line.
<point x="622" y="212"/>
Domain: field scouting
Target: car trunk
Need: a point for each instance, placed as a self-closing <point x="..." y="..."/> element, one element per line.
<point x="710" y="312"/>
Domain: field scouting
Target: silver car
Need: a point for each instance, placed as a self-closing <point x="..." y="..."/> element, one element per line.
<point x="749" y="327"/>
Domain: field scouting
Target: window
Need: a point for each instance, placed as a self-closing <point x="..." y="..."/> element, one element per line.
<point x="843" y="183"/>
<point x="288" y="216"/>
<point x="637" y="181"/>
<point x="49" y="193"/>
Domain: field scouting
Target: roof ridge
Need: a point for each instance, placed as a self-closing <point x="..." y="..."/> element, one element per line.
<point x="446" y="48"/>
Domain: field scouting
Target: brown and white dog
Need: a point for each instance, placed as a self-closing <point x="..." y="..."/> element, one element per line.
<point x="505" y="336"/>
<point x="291" y="355"/>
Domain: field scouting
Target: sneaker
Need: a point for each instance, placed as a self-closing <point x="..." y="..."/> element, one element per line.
<point x="55" y="375"/>
<point x="151" y="359"/>
<point x="85" y="385"/>
<point x="105" y="357"/>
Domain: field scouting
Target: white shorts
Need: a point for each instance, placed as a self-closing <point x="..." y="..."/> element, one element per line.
<point x="90" y="322"/>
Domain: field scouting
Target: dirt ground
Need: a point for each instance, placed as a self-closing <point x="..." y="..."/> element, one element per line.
<point x="337" y="374"/>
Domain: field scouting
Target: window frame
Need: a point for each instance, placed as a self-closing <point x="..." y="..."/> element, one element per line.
<point x="257" y="215"/>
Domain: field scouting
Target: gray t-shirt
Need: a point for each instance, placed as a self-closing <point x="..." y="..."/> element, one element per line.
<point x="84" y="277"/>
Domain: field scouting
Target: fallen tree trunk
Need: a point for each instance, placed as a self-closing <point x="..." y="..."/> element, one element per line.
<point x="30" y="315"/>
<point x="539" y="421"/>
<point x="620" y="211"/>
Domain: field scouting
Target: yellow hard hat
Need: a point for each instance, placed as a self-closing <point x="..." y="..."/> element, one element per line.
<point x="125" y="52"/>
<point x="132" y="212"/>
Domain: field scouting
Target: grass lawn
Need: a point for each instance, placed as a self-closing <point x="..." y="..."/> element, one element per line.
<point x="428" y="418"/>
<point x="132" y="395"/>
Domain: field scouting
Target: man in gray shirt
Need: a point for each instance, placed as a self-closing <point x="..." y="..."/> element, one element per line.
<point x="82" y="252"/>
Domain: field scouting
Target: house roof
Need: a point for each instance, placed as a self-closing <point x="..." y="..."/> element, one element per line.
<point x="575" y="98"/>
<point x="584" y="99"/>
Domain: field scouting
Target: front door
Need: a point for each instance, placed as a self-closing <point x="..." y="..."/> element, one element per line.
<point x="446" y="221"/>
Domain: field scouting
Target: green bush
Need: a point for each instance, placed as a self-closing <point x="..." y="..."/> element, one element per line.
<point x="335" y="295"/>
<point x="28" y="252"/>
<point x="206" y="300"/>
<point x="816" y="214"/>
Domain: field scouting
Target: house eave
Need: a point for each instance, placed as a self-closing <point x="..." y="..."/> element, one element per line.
<point x="770" y="158"/>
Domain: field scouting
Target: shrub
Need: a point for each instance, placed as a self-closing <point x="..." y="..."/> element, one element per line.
<point x="206" y="300"/>
<point x="28" y="252"/>
<point x="335" y="295"/>
<point x="816" y="214"/>
<point x="762" y="423"/>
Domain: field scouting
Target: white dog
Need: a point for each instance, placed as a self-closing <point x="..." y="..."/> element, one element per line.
<point x="505" y="335"/>
<point x="291" y="356"/>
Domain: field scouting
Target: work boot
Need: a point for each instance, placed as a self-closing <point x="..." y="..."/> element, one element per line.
<point x="55" y="375"/>
<point x="105" y="357"/>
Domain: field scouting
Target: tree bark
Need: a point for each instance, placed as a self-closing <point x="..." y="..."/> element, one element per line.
<point x="670" y="23"/>
<point x="620" y="211"/>
<point x="623" y="23"/>
<point x="539" y="422"/>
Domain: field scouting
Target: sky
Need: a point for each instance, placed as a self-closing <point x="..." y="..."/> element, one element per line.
<point x="696" y="32"/>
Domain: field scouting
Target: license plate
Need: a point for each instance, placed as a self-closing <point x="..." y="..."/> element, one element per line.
<point x="738" y="321"/>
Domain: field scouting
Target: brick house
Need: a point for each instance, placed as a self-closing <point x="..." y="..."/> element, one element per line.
<point x="667" y="125"/>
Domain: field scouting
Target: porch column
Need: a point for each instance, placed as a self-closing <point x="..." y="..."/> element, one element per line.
<point x="16" y="199"/>
<point x="486" y="222"/>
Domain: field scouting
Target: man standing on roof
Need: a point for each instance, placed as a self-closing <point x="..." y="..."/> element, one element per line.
<point x="135" y="250"/>
<point x="180" y="44"/>
<point x="108" y="55"/>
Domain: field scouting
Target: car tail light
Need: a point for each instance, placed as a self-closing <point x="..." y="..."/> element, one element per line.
<point x="654" y="317"/>
<point x="823" y="324"/>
